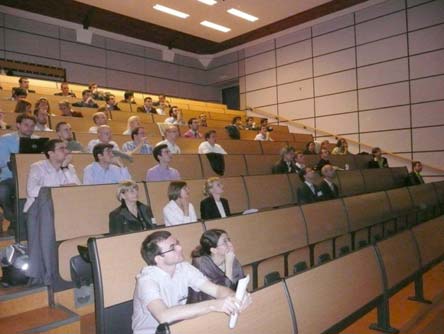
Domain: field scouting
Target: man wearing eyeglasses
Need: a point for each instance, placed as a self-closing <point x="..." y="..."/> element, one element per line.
<point x="162" y="287"/>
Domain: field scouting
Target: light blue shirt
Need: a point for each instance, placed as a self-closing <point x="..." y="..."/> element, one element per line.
<point x="9" y="143"/>
<point x="130" y="146"/>
<point x="96" y="174"/>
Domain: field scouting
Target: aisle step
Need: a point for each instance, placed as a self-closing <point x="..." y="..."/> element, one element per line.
<point x="16" y="300"/>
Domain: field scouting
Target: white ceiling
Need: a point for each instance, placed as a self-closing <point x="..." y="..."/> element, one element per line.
<point x="268" y="11"/>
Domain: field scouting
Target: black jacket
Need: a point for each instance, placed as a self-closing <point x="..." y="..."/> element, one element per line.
<point x="121" y="220"/>
<point x="142" y="109"/>
<point x="321" y="163"/>
<point x="374" y="164"/>
<point x="305" y="195"/>
<point x="413" y="179"/>
<point x="327" y="192"/>
<point x="281" y="167"/>
<point x="208" y="208"/>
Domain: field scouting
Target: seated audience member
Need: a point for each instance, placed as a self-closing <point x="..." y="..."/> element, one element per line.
<point x="64" y="133"/>
<point x="193" y="131"/>
<point x="111" y="103"/>
<point x="171" y="134"/>
<point x="415" y="177"/>
<point x="106" y="168"/>
<point x="286" y="163"/>
<point x="378" y="160"/>
<point x="215" y="258"/>
<point x="214" y="206"/>
<point x="96" y="93"/>
<point x="179" y="209"/>
<point x="138" y="144"/>
<point x="161" y="104"/>
<point x="41" y="117"/>
<point x="341" y="147"/>
<point x="55" y="171"/>
<point x="23" y="84"/>
<point x="162" y="171"/>
<point x="329" y="189"/>
<point x="309" y="192"/>
<point x="9" y="144"/>
<point x="310" y="148"/>
<point x="22" y="107"/>
<point x="264" y="122"/>
<point x="234" y="127"/>
<point x="263" y="134"/>
<point x="66" y="111"/>
<point x="250" y="124"/>
<point x="65" y="92"/>
<point x="209" y="145"/>
<point x="3" y="124"/>
<point x="132" y="123"/>
<point x="104" y="136"/>
<point x="131" y="215"/>
<point x="19" y="94"/>
<point x="99" y="118"/>
<point x="299" y="163"/>
<point x="147" y="106"/>
<point x="175" y="116"/>
<point x="43" y="105"/>
<point x="203" y="120"/>
<point x="87" y="100"/>
<point x="162" y="287"/>
<point x="324" y="156"/>
<point x="128" y="97"/>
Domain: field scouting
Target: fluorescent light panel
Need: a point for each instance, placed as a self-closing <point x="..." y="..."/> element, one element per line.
<point x="242" y="15"/>
<point x="208" y="2"/>
<point x="170" y="11"/>
<point x="215" y="26"/>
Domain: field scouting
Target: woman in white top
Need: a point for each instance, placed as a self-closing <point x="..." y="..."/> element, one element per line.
<point x="133" y="122"/>
<point x="179" y="209"/>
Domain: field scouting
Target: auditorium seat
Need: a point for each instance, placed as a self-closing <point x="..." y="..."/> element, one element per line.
<point x="241" y="146"/>
<point x="188" y="146"/>
<point x="343" y="161"/>
<point x="402" y="207"/>
<point x="425" y="200"/>
<point x="234" y="165"/>
<point x="350" y="182"/>
<point x="377" y="179"/>
<point x="260" y="164"/>
<point x="399" y="175"/>
<point x="362" y="160"/>
<point x="267" y="191"/>
<point x="272" y="147"/>
<point x="430" y="239"/>
<point x="236" y="194"/>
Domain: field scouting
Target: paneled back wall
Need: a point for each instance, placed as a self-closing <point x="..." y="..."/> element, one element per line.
<point x="375" y="75"/>
<point x="109" y="62"/>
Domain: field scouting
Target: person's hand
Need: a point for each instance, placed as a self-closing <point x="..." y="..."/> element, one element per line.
<point x="229" y="258"/>
<point x="228" y="305"/>
<point x="117" y="161"/>
<point x="67" y="160"/>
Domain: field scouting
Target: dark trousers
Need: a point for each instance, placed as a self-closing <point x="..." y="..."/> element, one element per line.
<point x="7" y="196"/>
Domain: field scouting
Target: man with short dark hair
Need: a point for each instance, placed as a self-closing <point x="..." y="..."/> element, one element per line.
<point x="55" y="171"/>
<point x="9" y="144"/>
<point x="147" y="106"/>
<point x="309" y="192"/>
<point x="138" y="144"/>
<point x="286" y="163"/>
<point x="41" y="116"/>
<point x="193" y="131"/>
<point x="162" y="287"/>
<point x="162" y="171"/>
<point x="64" y="132"/>
<point x="415" y="177"/>
<point x="99" y="118"/>
<point x="64" y="87"/>
<point x="66" y="111"/>
<point x="87" y="100"/>
<point x="24" y="85"/>
<point x="96" y="94"/>
<point x="111" y="103"/>
<point x="128" y="97"/>
<point x="106" y="168"/>
<point x="19" y="94"/>
<point x="328" y="188"/>
<point x="324" y="155"/>
<point x="209" y="145"/>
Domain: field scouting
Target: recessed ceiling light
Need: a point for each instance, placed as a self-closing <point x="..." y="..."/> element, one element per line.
<point x="171" y="11"/>
<point x="215" y="26"/>
<point x="208" y="2"/>
<point x="242" y="15"/>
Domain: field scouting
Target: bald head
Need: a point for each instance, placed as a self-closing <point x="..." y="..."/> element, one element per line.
<point x="328" y="171"/>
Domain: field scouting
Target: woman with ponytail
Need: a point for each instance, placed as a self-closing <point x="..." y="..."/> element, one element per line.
<point x="216" y="259"/>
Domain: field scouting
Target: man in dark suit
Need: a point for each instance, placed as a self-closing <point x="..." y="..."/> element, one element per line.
<point x="299" y="163"/>
<point x="111" y="103"/>
<point x="309" y="192"/>
<point x="378" y="160"/>
<point x="24" y="84"/>
<point x="87" y="100"/>
<point x="324" y="156"/>
<point x="147" y="106"/>
<point x="414" y="178"/>
<point x="328" y="187"/>
<point x="286" y="163"/>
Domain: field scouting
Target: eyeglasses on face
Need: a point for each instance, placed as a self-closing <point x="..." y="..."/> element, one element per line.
<point x="172" y="248"/>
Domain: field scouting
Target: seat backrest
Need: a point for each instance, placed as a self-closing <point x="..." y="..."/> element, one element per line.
<point x="269" y="313"/>
<point x="295" y="183"/>
<point x="272" y="147"/>
<point x="430" y="239"/>
<point x="241" y="146"/>
<point x="235" y="193"/>
<point x="325" y="220"/>
<point x="140" y="165"/>
<point x="328" y="294"/>
<point x="350" y="182"/>
<point x="367" y="209"/>
<point x="424" y="195"/>
<point x="400" y="200"/>
<point x="265" y="234"/>
<point x="266" y="191"/>
<point x="343" y="160"/>
<point x="362" y="160"/>
<point x="234" y="165"/>
<point x="260" y="164"/>
<point x="399" y="175"/>
<point x="439" y="188"/>
<point x="399" y="257"/>
<point x="377" y="179"/>
<point x="188" y="165"/>
<point x="188" y="145"/>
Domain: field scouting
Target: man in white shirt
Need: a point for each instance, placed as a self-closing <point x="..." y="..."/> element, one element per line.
<point x="171" y="134"/>
<point x="209" y="145"/>
<point x="263" y="134"/>
<point x="162" y="287"/>
<point x="55" y="171"/>
<point x="41" y="117"/>
<point x="104" y="136"/>
<point x="106" y="168"/>
<point x="99" y="119"/>
<point x="174" y="114"/>
<point x="299" y="163"/>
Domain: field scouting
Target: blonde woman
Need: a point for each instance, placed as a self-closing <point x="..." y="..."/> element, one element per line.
<point x="214" y="206"/>
<point x="133" y="122"/>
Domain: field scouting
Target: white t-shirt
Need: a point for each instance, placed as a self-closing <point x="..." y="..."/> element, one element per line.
<point x="205" y="147"/>
<point x="153" y="283"/>
<point x="173" y="148"/>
